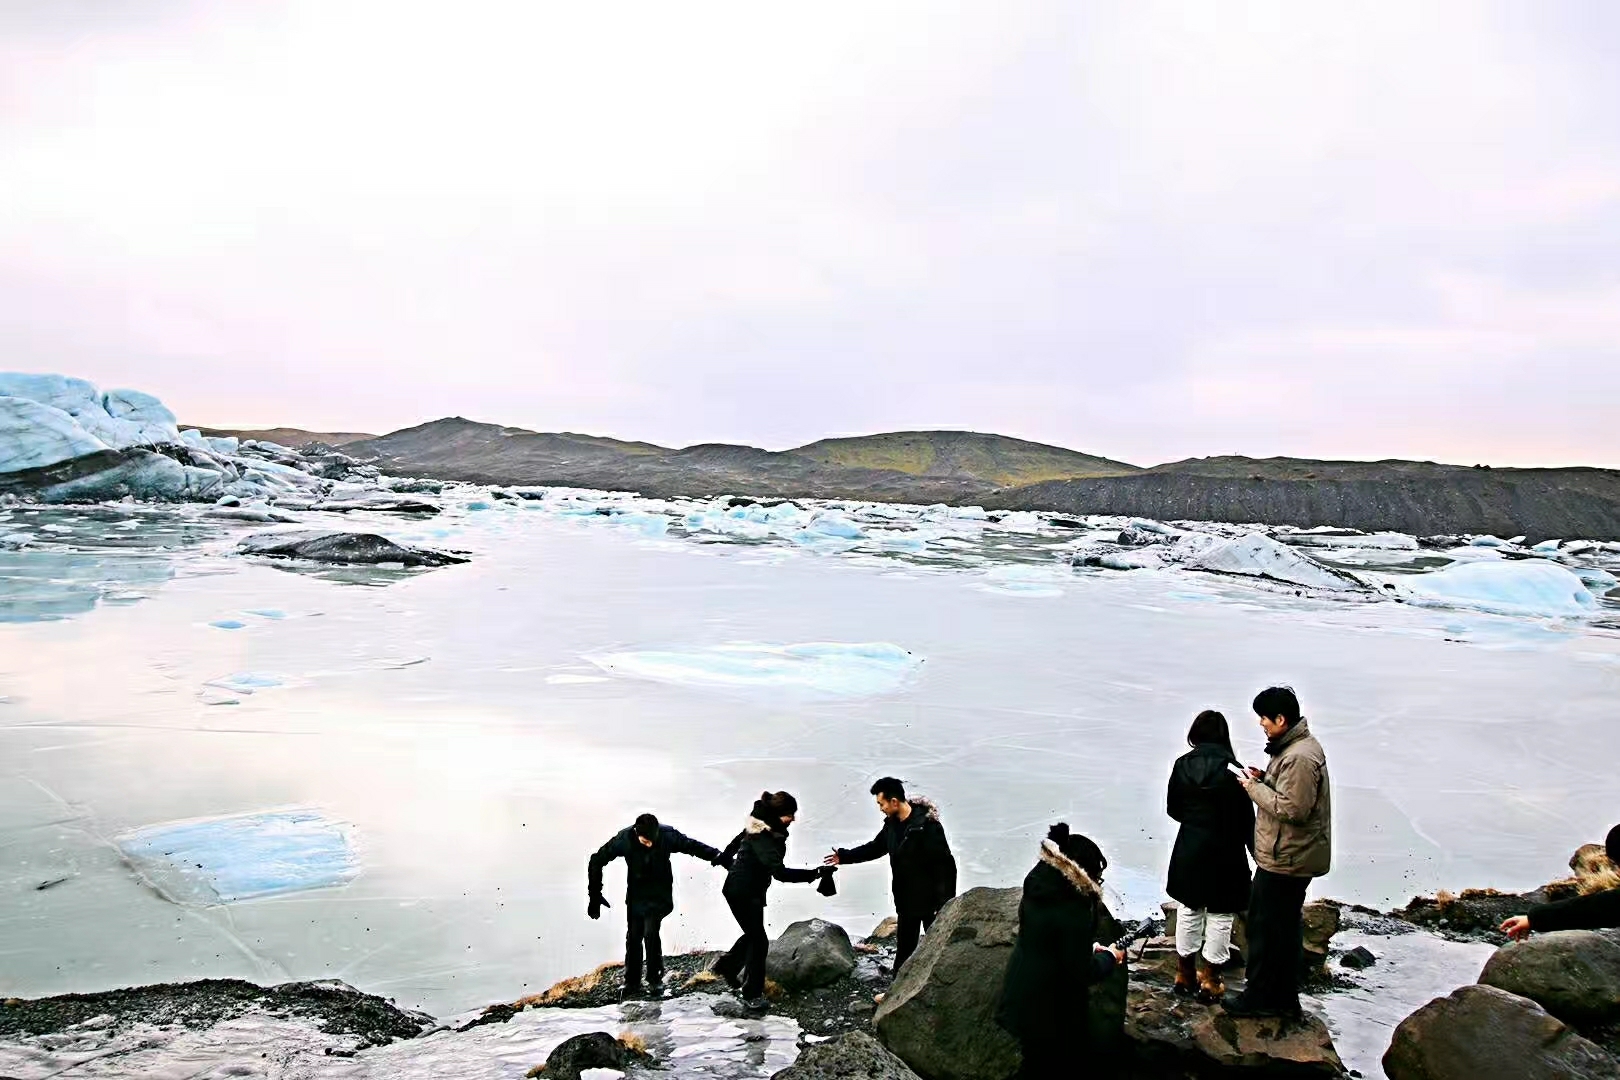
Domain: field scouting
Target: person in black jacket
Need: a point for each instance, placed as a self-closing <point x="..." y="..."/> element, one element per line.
<point x="649" y="893"/>
<point x="756" y="855"/>
<point x="1047" y="991"/>
<point x="920" y="861"/>
<point x="1597" y="911"/>
<point x="1209" y="866"/>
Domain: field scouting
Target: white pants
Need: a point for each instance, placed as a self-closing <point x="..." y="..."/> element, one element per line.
<point x="1204" y="930"/>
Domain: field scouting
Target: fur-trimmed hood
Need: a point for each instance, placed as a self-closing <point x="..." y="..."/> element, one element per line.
<point x="755" y="826"/>
<point x="926" y="806"/>
<point x="1053" y="856"/>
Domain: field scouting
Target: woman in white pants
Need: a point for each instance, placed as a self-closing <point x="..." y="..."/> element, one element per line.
<point x="1209" y="868"/>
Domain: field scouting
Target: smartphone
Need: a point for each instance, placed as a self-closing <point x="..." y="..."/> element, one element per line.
<point x="1237" y="770"/>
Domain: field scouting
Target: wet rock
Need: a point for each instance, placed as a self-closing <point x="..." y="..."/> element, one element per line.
<point x="810" y="954"/>
<point x="1573" y="974"/>
<point x="852" y="1056"/>
<point x="343" y="548"/>
<point x="1171" y="1036"/>
<point x="1483" y="1033"/>
<point x="939" y="1016"/>
<point x="1358" y="959"/>
<point x="1320" y="921"/>
<point x="885" y="930"/>
<point x="1474" y="913"/>
<point x="594" y="1050"/>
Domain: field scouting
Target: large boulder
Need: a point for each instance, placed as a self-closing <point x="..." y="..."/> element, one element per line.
<point x="1173" y="1036"/>
<point x="1318" y="923"/>
<point x="1483" y="1033"/>
<point x="939" y="1016"/>
<point x="342" y="548"/>
<point x="1573" y="974"/>
<point x="594" y="1050"/>
<point x="854" y="1055"/>
<point x="810" y="954"/>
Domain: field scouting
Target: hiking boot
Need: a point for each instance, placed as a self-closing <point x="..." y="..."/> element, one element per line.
<point x="631" y="992"/>
<point x="1186" y="974"/>
<point x="1238" y="1006"/>
<point x="1211" y="987"/>
<point x="757" y="1005"/>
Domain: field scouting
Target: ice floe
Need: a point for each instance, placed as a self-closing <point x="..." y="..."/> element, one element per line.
<point x="1530" y="587"/>
<point x="832" y="668"/>
<point x="242" y="857"/>
<point x="1259" y="556"/>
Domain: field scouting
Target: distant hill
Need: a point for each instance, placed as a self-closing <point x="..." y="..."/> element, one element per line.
<point x="286" y="436"/>
<point x="1417" y="497"/>
<point x="920" y="466"/>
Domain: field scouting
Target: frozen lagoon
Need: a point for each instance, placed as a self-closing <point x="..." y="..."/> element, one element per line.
<point x="462" y="733"/>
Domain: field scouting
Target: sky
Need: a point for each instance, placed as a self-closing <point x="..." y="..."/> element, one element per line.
<point x="1140" y="229"/>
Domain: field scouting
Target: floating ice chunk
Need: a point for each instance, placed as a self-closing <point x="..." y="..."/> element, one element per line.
<point x="241" y="857"/>
<point x="1259" y="556"/>
<point x="1489" y="542"/>
<point x="970" y="513"/>
<point x="267" y="613"/>
<point x="247" y="682"/>
<point x="835" y="668"/>
<point x="1529" y="587"/>
<point x="829" y="523"/>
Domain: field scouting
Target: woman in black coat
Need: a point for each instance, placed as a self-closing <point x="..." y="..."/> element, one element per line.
<point x="1047" y="990"/>
<point x="756" y="856"/>
<point x="1209" y="868"/>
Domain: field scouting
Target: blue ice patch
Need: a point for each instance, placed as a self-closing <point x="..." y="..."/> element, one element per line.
<point x="228" y="624"/>
<point x="834" y="668"/>
<point x="242" y="857"/>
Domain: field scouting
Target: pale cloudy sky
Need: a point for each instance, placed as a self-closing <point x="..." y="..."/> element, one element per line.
<point x="1151" y="230"/>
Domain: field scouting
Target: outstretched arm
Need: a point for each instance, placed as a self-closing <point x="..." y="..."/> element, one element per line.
<point x="771" y="859"/>
<point x="679" y="841"/>
<point x="605" y="854"/>
<point x="874" y="849"/>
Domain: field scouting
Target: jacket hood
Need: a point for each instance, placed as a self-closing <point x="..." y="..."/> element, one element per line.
<point x="926" y="807"/>
<point x="1053" y="856"/>
<point x="756" y="826"/>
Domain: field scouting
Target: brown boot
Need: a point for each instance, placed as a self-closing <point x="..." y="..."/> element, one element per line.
<point x="1211" y="987"/>
<point x="1186" y="974"/>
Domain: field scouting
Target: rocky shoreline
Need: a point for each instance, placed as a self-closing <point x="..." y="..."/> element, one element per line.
<point x="1547" y="1007"/>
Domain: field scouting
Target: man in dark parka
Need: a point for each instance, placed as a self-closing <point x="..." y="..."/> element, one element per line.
<point x="1046" y="994"/>
<point x="920" y="861"/>
<point x="649" y="894"/>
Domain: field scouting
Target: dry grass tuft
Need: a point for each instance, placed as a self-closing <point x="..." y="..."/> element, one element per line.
<point x="774" y="991"/>
<point x="538" y="1070"/>
<point x="1594" y="871"/>
<point x="632" y="1042"/>
<point x="703" y="978"/>
<point x="568" y="988"/>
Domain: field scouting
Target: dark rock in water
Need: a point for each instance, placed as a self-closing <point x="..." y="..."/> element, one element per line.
<point x="1482" y="1033"/>
<point x="1134" y="536"/>
<point x="852" y="1056"/>
<point x="1065" y="523"/>
<point x="595" y="1050"/>
<point x="344" y="548"/>
<point x="1474" y="914"/>
<point x="339" y="1009"/>
<point x="939" y="1016"/>
<point x="1573" y="974"/>
<point x="809" y="954"/>
<point x="1358" y="959"/>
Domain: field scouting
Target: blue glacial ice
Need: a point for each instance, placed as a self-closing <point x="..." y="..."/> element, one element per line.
<point x="242" y="857"/>
<point x="1531" y="587"/>
<point x="833" y="668"/>
<point x="228" y="624"/>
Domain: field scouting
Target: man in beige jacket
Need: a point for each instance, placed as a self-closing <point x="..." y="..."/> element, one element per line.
<point x="1293" y="843"/>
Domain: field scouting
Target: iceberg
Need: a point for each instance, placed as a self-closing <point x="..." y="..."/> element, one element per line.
<point x="119" y="419"/>
<point x="36" y="436"/>
<point x="834" y="668"/>
<point x="224" y="860"/>
<point x="1532" y="587"/>
<point x="1259" y="556"/>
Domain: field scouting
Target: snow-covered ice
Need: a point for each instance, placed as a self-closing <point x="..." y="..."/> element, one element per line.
<point x="242" y="857"/>
<point x="1259" y="556"/>
<point x="1530" y="587"/>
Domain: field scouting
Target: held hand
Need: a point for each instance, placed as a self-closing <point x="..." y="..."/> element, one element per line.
<point x="1118" y="954"/>
<point x="831" y="860"/>
<point x="1517" y="928"/>
<point x="1256" y="774"/>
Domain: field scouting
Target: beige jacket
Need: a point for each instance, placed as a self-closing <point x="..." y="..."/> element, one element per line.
<point x="1293" y="831"/>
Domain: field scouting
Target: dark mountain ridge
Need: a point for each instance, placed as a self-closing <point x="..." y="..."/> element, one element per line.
<point x="1416" y="497"/>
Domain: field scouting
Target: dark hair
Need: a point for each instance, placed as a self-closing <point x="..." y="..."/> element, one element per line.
<point x="1278" y="701"/>
<point x="1209" y="726"/>
<point x="1612" y="845"/>
<point x="778" y="804"/>
<point x="889" y="788"/>
<point x="1082" y="849"/>
<point x="647" y="827"/>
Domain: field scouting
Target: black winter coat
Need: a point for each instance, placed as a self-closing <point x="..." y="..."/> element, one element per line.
<point x="757" y="852"/>
<point x="1598" y="911"/>
<point x="920" y="859"/>
<point x="649" y="890"/>
<point x="1047" y="990"/>
<point x="1209" y="867"/>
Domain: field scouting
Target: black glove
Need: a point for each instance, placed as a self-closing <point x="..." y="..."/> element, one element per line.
<point x="724" y="860"/>
<point x="594" y="908"/>
<point x="826" y="887"/>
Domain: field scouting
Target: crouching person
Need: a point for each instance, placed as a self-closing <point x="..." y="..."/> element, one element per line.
<point x="649" y="894"/>
<point x="1598" y="910"/>
<point x="1047" y="993"/>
